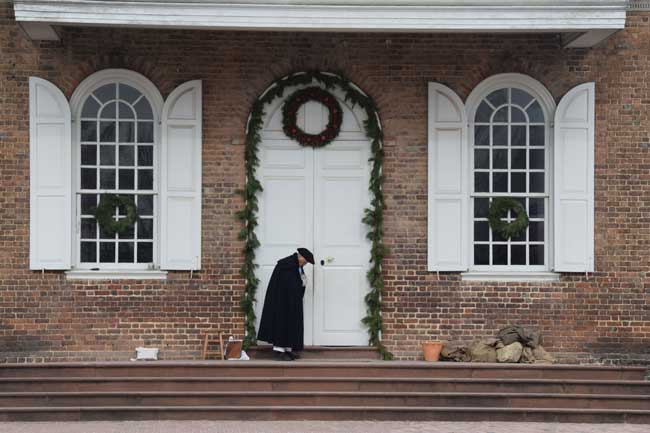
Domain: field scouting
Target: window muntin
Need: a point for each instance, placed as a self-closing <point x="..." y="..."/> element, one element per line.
<point x="510" y="157"/>
<point x="116" y="155"/>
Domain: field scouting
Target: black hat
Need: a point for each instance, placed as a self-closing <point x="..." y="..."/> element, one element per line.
<point x="306" y="254"/>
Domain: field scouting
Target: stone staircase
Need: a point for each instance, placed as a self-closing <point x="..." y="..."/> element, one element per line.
<point x="323" y="390"/>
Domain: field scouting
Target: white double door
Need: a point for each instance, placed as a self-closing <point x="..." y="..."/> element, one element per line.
<point x="315" y="198"/>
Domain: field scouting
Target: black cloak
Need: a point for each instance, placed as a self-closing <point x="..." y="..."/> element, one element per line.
<point x="282" y="317"/>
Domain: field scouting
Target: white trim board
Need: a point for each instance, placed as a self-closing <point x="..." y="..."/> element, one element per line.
<point x="334" y="15"/>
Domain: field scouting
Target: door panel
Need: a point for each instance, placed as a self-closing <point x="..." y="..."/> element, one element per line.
<point x="315" y="198"/>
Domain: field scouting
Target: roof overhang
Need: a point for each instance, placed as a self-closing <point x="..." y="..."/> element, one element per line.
<point x="594" y="17"/>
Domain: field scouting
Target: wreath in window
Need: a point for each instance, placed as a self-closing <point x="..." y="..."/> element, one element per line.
<point x="290" y="114"/>
<point x="499" y="209"/>
<point x="105" y="213"/>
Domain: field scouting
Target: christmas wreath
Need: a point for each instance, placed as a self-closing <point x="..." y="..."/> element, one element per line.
<point x="290" y="113"/>
<point x="105" y="213"/>
<point x="499" y="209"/>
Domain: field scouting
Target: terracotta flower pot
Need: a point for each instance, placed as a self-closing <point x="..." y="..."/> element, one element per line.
<point x="432" y="350"/>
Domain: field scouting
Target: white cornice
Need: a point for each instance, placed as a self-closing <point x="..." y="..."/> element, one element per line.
<point x="334" y="15"/>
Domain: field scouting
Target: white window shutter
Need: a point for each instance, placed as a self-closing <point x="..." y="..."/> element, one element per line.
<point x="180" y="217"/>
<point x="573" y="195"/>
<point x="50" y="177"/>
<point x="448" y="181"/>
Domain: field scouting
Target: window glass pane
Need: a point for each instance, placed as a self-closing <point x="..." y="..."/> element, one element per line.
<point x="499" y="254"/>
<point x="521" y="98"/>
<point x="145" y="252"/>
<point x="518" y="158"/>
<point x="501" y="115"/>
<point x="518" y="136"/>
<point x="145" y="156"/>
<point x="517" y="116"/>
<point x="121" y="210"/>
<point x="481" y="206"/>
<point x="145" y="132"/>
<point x="107" y="252"/>
<point x="482" y="158"/>
<point x="107" y="178"/>
<point x="497" y="237"/>
<point x="482" y="182"/>
<point x="536" y="208"/>
<point x="143" y="110"/>
<point x="500" y="158"/>
<point x="145" y="205"/>
<point x="535" y="113"/>
<point x="481" y="231"/>
<point x="107" y="155"/>
<point x="481" y="254"/>
<point x="107" y="132"/>
<point x="483" y="113"/>
<point x="88" y="130"/>
<point x="498" y="97"/>
<point x="518" y="254"/>
<point x="145" y="179"/>
<point x="536" y="182"/>
<point x="537" y="159"/>
<point x="537" y="136"/>
<point x="125" y="252"/>
<point x="536" y="254"/>
<point x="105" y="235"/>
<point x="145" y="229"/>
<point x="88" y="204"/>
<point x="89" y="154"/>
<point x="125" y="111"/>
<point x="127" y="155"/>
<point x="88" y="178"/>
<point x="127" y="132"/>
<point x="499" y="136"/>
<point x="536" y="231"/>
<point x="90" y="108"/>
<point x="106" y="93"/>
<point x="521" y="237"/>
<point x="88" y="252"/>
<point x="127" y="179"/>
<point x="128" y="93"/>
<point x="88" y="228"/>
<point x="129" y="233"/>
<point x="109" y="111"/>
<point x="518" y="182"/>
<point x="499" y="182"/>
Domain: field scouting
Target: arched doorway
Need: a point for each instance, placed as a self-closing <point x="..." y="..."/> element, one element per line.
<point x="316" y="198"/>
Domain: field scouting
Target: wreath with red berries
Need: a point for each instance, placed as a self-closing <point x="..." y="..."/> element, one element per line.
<point x="290" y="112"/>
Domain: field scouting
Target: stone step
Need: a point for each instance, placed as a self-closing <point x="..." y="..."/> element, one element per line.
<point x="369" y="384"/>
<point x="320" y="353"/>
<point x="321" y="369"/>
<point x="382" y="413"/>
<point x="321" y="398"/>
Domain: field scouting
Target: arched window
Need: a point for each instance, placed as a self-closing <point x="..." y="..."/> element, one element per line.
<point x="510" y="157"/>
<point x="117" y="151"/>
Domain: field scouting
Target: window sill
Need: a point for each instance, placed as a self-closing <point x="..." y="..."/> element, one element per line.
<point x="84" y="274"/>
<point x="510" y="276"/>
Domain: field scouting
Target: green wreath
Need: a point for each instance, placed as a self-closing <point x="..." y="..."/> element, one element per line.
<point x="105" y="213"/>
<point x="290" y="115"/>
<point x="499" y="209"/>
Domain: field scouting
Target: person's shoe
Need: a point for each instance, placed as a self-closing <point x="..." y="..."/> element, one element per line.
<point x="282" y="356"/>
<point x="293" y="355"/>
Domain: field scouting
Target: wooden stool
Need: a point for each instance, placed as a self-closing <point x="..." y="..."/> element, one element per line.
<point x="208" y="341"/>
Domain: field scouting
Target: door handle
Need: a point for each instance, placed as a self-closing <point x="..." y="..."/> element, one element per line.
<point x="327" y="260"/>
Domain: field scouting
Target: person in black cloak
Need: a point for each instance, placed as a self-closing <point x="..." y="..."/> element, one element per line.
<point x="282" y="316"/>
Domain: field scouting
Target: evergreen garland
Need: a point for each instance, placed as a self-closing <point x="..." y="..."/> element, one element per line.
<point x="373" y="218"/>
<point x="499" y="209"/>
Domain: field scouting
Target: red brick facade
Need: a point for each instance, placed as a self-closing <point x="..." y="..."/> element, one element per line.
<point x="600" y="318"/>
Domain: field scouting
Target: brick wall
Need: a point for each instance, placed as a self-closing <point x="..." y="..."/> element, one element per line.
<point x="601" y="318"/>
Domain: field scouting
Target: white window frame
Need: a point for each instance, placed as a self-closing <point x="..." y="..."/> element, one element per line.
<point x="546" y="101"/>
<point x="149" y="90"/>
